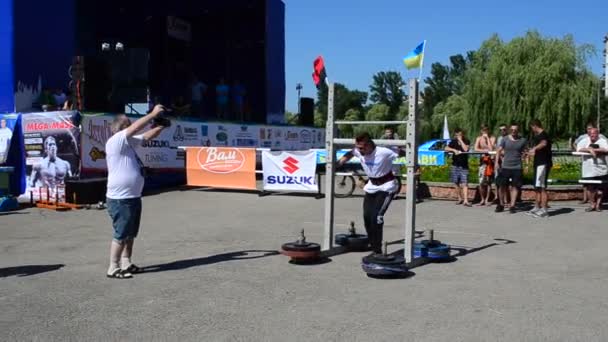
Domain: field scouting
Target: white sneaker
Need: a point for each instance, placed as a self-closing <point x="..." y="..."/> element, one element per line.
<point x="542" y="213"/>
<point x="533" y="212"/>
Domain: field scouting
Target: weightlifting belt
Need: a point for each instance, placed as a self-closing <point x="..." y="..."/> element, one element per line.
<point x="381" y="180"/>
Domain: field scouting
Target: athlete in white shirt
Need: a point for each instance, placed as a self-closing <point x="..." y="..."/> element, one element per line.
<point x="125" y="185"/>
<point x="377" y="162"/>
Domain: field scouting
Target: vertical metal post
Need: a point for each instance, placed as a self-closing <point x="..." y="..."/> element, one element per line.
<point x="411" y="160"/>
<point x="330" y="132"/>
<point x="606" y="65"/>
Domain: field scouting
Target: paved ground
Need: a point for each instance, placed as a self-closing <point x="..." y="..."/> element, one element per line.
<point x="214" y="276"/>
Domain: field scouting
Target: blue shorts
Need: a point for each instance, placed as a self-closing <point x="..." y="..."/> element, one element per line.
<point x="125" y="215"/>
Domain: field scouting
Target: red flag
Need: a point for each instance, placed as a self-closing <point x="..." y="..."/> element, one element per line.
<point x="319" y="73"/>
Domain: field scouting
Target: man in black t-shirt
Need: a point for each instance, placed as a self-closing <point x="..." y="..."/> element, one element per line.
<point x="459" y="172"/>
<point x="543" y="156"/>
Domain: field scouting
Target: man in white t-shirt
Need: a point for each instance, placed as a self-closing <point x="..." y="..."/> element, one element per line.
<point x="595" y="166"/>
<point x="5" y="139"/>
<point x="377" y="162"/>
<point x="125" y="185"/>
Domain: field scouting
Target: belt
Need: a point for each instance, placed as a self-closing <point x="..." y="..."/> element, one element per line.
<point x="381" y="180"/>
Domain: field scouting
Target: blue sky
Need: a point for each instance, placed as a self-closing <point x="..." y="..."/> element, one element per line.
<point x="358" y="38"/>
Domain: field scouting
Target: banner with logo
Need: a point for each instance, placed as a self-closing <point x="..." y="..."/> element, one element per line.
<point x="52" y="149"/>
<point x="221" y="167"/>
<point x="290" y="171"/>
<point x="163" y="152"/>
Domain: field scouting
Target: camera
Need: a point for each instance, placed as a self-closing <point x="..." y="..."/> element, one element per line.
<point x="161" y="120"/>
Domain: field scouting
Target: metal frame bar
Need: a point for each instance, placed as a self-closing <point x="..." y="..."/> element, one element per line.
<point x="411" y="144"/>
<point x="370" y="122"/>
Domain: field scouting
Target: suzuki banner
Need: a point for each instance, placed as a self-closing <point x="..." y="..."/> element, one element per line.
<point x="290" y="171"/>
<point x="221" y="167"/>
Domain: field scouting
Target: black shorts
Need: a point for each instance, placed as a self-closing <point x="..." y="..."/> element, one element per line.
<point x="513" y="177"/>
<point x="541" y="176"/>
<point x="594" y="187"/>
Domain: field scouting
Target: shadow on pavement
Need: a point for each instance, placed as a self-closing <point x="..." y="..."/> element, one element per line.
<point x="560" y="211"/>
<point x="213" y="259"/>
<point x="29" y="270"/>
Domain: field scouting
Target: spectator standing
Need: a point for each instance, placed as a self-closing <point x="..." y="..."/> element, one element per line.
<point x="510" y="171"/>
<point x="485" y="143"/>
<point x="198" y="89"/>
<point x="459" y="171"/>
<point x="595" y="166"/>
<point x="543" y="161"/>
<point x="222" y="91"/>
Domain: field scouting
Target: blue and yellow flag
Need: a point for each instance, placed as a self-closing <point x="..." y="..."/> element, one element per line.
<point x="414" y="58"/>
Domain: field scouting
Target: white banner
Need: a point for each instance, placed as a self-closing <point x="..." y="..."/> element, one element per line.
<point x="163" y="152"/>
<point x="290" y="171"/>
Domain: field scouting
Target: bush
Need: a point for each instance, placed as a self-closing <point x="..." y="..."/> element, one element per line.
<point x="567" y="171"/>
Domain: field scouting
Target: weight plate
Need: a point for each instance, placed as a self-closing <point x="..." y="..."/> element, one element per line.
<point x="388" y="260"/>
<point x="358" y="242"/>
<point x="431" y="244"/>
<point x="301" y="254"/>
<point x="293" y="246"/>
<point x="384" y="270"/>
<point x="441" y="252"/>
<point x="341" y="239"/>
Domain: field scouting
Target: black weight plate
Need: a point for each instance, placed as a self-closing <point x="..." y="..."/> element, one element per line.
<point x="441" y="252"/>
<point x="384" y="270"/>
<point x="292" y="246"/>
<point x="359" y="243"/>
<point x="341" y="239"/>
<point x="384" y="260"/>
<point x="431" y="244"/>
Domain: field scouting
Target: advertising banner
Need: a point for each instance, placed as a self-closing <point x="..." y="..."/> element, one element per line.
<point x="163" y="152"/>
<point x="221" y="167"/>
<point x="289" y="171"/>
<point x="52" y="149"/>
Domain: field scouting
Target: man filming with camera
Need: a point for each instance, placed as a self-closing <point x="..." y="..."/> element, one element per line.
<point x="125" y="184"/>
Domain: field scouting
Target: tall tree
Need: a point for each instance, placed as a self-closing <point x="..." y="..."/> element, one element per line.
<point x="387" y="88"/>
<point x="445" y="81"/>
<point x="530" y="77"/>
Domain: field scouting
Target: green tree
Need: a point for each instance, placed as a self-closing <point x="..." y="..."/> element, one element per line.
<point x="344" y="99"/>
<point x="530" y="77"/>
<point x="387" y="88"/>
<point x="445" y="81"/>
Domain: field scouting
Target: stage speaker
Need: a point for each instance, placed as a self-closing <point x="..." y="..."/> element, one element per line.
<point x="307" y="112"/>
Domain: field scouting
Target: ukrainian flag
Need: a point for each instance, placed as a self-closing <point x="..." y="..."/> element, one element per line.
<point x="414" y="58"/>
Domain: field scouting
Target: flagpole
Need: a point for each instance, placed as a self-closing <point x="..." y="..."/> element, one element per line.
<point x="422" y="61"/>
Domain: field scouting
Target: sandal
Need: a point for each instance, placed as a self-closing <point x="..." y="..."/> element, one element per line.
<point x="120" y="274"/>
<point x="588" y="210"/>
<point x="134" y="269"/>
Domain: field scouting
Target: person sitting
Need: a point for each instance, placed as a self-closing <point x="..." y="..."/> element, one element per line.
<point x="594" y="167"/>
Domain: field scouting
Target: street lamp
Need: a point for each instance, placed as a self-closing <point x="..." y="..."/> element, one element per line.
<point x="299" y="88"/>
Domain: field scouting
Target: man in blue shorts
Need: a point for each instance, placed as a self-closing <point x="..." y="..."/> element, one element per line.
<point x="125" y="185"/>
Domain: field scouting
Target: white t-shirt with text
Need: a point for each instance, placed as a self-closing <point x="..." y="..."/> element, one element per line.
<point x="378" y="164"/>
<point x="594" y="167"/>
<point x="124" y="172"/>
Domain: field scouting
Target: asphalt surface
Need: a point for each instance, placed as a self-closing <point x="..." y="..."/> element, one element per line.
<point x="213" y="274"/>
